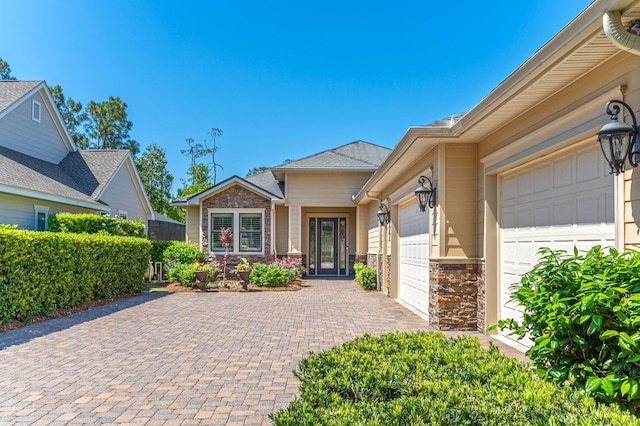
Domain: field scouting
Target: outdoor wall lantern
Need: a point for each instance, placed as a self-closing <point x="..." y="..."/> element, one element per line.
<point x="426" y="196"/>
<point x="383" y="214"/>
<point x="618" y="139"/>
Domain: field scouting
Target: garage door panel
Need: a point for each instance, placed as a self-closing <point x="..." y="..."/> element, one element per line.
<point x="413" y="243"/>
<point x="571" y="205"/>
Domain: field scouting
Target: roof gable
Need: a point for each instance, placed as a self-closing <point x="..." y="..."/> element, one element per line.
<point x="194" y="199"/>
<point x="355" y="156"/>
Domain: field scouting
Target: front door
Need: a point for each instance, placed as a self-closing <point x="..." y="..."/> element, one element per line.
<point x="327" y="251"/>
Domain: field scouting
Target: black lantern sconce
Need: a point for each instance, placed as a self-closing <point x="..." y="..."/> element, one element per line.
<point x="383" y="214"/>
<point x="425" y="195"/>
<point x="618" y="139"/>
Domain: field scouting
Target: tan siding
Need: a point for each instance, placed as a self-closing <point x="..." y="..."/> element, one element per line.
<point x="40" y="140"/>
<point x="460" y="203"/>
<point x="282" y="230"/>
<point x="373" y="227"/>
<point x="193" y="224"/>
<point x="20" y="210"/>
<point x="324" y="190"/>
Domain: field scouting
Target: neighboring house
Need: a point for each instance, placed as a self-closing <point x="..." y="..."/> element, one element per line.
<point x="520" y="170"/>
<point x="303" y="208"/>
<point x="42" y="171"/>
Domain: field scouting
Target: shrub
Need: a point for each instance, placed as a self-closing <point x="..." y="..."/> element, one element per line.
<point x="268" y="275"/>
<point x="43" y="271"/>
<point x="365" y="276"/>
<point x="157" y="249"/>
<point x="583" y="313"/>
<point x="95" y="224"/>
<point x="184" y="273"/>
<point x="183" y="252"/>
<point x="291" y="265"/>
<point x="425" y="378"/>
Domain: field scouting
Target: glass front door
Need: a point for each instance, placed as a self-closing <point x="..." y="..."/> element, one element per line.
<point x="327" y="251"/>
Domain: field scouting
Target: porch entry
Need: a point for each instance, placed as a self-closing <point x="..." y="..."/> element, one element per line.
<point x="328" y="250"/>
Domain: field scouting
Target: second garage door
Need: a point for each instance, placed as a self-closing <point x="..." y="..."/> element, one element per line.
<point x="414" y="257"/>
<point x="558" y="203"/>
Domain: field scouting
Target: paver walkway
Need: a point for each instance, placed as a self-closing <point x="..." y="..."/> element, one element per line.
<point x="184" y="358"/>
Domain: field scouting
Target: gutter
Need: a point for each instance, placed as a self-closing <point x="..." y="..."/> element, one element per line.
<point x="627" y="40"/>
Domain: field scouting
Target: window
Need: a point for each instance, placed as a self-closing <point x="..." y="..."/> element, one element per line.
<point x="246" y="226"/>
<point x="122" y="214"/>
<point x="41" y="217"/>
<point x="36" y="110"/>
<point x="220" y="220"/>
<point x="250" y="232"/>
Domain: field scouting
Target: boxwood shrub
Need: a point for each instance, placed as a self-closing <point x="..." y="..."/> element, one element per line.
<point x="365" y="276"/>
<point x="43" y="271"/>
<point x="95" y="224"/>
<point x="183" y="252"/>
<point x="582" y="310"/>
<point x="425" y="378"/>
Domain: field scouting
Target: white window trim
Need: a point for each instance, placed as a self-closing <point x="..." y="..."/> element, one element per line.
<point x="41" y="209"/>
<point x="236" y="235"/>
<point x="123" y="213"/>
<point x="35" y="105"/>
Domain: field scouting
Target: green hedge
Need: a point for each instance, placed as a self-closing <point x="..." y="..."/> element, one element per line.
<point x="95" y="224"/>
<point x="366" y="277"/>
<point x="425" y="378"/>
<point x="44" y="271"/>
<point x="158" y="247"/>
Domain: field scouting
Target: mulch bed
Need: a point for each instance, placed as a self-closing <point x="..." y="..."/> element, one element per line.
<point x="232" y="286"/>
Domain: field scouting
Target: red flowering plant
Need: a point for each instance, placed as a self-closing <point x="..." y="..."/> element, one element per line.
<point x="291" y="265"/>
<point x="226" y="238"/>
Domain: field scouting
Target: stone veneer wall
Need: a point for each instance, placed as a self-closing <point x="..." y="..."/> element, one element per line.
<point x="238" y="197"/>
<point x="453" y="296"/>
<point x="482" y="298"/>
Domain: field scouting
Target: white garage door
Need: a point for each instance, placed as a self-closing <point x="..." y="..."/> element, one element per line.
<point x="413" y="242"/>
<point x="560" y="203"/>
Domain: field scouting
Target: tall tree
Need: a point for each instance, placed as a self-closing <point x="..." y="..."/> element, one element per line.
<point x="198" y="180"/>
<point x="5" y="71"/>
<point x="72" y="114"/>
<point x="193" y="152"/>
<point x="108" y="125"/>
<point x="206" y="149"/>
<point x="157" y="181"/>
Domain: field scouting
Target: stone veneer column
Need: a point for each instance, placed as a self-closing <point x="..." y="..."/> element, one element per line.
<point x="456" y="296"/>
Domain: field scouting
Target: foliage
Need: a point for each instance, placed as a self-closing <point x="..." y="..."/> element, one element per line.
<point x="583" y="313"/>
<point x="183" y="252"/>
<point x="5" y="71"/>
<point x="268" y="275"/>
<point x="214" y="134"/>
<point x="198" y="180"/>
<point x="243" y="265"/>
<point x="365" y="276"/>
<point x="184" y="273"/>
<point x="257" y="170"/>
<point x="157" y="249"/>
<point x="291" y="265"/>
<point x="96" y="224"/>
<point x="157" y="181"/>
<point x="8" y="226"/>
<point x="72" y="114"/>
<point x="425" y="378"/>
<point x="108" y="126"/>
<point x="44" y="271"/>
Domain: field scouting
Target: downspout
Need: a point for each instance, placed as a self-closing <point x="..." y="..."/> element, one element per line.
<point x="624" y="39"/>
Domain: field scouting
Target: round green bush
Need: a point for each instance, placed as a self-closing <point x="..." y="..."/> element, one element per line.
<point x="183" y="252"/>
<point x="425" y="378"/>
<point x="268" y="275"/>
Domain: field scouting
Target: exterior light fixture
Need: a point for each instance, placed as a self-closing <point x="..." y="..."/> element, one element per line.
<point x="618" y="139"/>
<point x="383" y="214"/>
<point x="426" y="196"/>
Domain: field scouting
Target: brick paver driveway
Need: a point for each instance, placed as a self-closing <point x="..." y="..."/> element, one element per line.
<point x="184" y="358"/>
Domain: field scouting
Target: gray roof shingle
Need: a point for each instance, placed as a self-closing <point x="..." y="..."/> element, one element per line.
<point x="92" y="169"/>
<point x="355" y="155"/>
<point x="12" y="90"/>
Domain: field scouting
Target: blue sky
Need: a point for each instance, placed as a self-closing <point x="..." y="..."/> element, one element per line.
<point x="283" y="79"/>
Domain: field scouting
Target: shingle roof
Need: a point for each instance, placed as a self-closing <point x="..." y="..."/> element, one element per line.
<point x="447" y="121"/>
<point x="266" y="181"/>
<point x="358" y="155"/>
<point x="12" y="90"/>
<point x="26" y="172"/>
<point x="80" y="175"/>
<point x="92" y="169"/>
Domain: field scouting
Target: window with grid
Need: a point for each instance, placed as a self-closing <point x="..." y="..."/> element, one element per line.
<point x="250" y="232"/>
<point x="220" y="220"/>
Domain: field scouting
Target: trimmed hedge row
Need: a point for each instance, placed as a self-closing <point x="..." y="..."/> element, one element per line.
<point x="43" y="271"/>
<point x="425" y="378"/>
<point x="366" y="276"/>
<point x="95" y="224"/>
